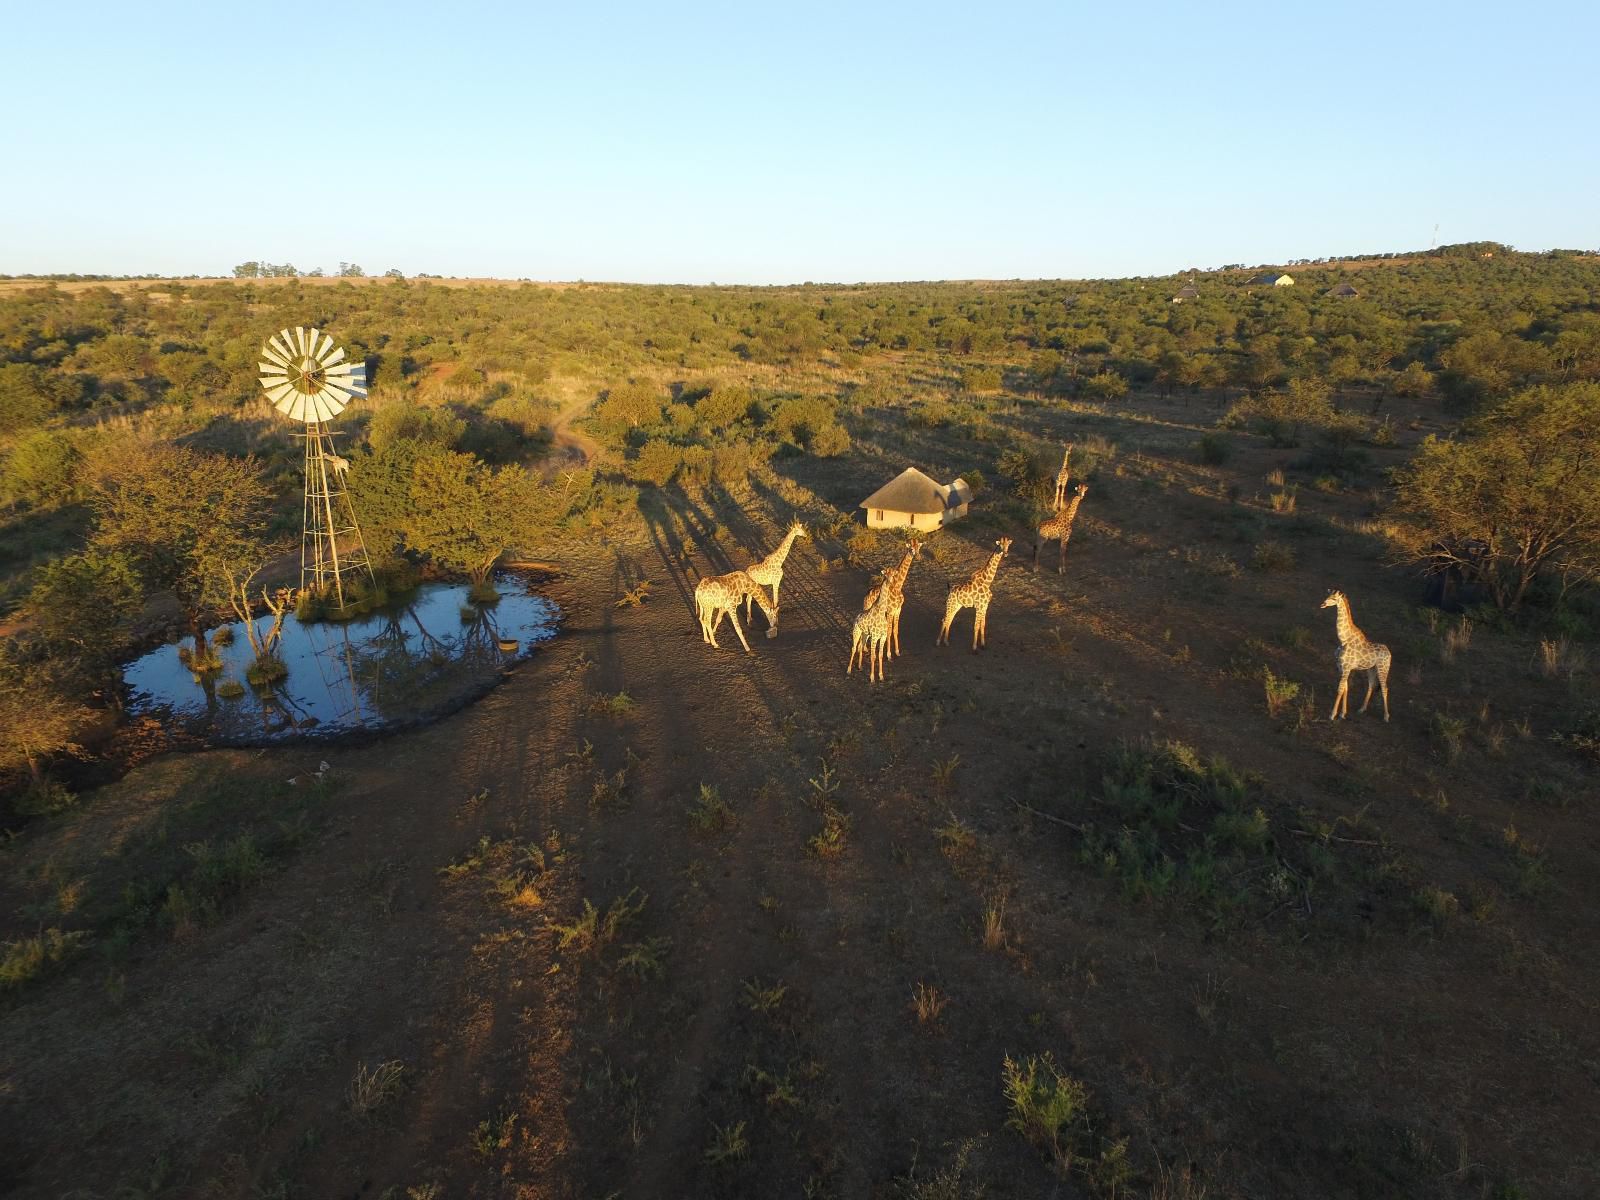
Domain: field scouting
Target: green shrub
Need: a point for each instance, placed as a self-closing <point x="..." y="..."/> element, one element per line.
<point x="1045" y="1105"/>
<point x="44" y="469"/>
<point x="1215" y="450"/>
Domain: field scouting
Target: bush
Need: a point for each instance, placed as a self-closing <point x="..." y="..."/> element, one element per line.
<point x="655" y="464"/>
<point x="1272" y="556"/>
<point x="1215" y="450"/>
<point x="44" y="469"/>
<point x="404" y="421"/>
<point x="42" y="797"/>
<point x="983" y="379"/>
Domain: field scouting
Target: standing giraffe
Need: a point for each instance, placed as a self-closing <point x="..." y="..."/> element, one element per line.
<point x="976" y="594"/>
<point x="1060" y="527"/>
<point x="770" y="569"/>
<point x="894" y="583"/>
<point x="1357" y="653"/>
<point x="869" y="637"/>
<point x="719" y="595"/>
<point x="1063" y="477"/>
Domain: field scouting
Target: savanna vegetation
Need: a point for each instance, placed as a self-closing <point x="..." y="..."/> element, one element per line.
<point x="1110" y="908"/>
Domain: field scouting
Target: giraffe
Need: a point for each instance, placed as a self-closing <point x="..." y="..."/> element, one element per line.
<point x="894" y="582"/>
<point x="1357" y="653"/>
<point x="976" y="593"/>
<point x="719" y="595"/>
<point x="869" y="636"/>
<point x="1060" y="526"/>
<point x="1063" y="476"/>
<point x="770" y="569"/>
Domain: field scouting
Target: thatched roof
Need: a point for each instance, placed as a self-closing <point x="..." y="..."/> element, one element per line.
<point x="913" y="492"/>
<point x="1187" y="292"/>
<point x="1344" y="289"/>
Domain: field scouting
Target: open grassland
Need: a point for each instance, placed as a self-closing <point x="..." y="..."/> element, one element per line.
<point x="1109" y="908"/>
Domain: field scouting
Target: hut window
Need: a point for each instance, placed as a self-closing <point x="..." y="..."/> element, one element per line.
<point x="880" y="514"/>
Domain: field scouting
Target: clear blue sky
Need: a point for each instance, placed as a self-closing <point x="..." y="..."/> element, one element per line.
<point x="770" y="143"/>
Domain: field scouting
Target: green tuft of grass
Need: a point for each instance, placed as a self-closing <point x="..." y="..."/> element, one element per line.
<point x="1046" y="1105"/>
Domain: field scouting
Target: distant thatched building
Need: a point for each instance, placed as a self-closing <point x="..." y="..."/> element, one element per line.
<point x="1344" y="289"/>
<point x="1275" y="279"/>
<point x="912" y="499"/>
<point x="1187" y="292"/>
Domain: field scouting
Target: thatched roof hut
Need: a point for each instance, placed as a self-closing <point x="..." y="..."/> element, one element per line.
<point x="913" y="499"/>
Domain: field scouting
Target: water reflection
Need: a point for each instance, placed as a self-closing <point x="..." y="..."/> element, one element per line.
<point x="413" y="660"/>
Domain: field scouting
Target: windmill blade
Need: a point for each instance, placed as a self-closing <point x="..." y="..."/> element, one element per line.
<point x="327" y="348"/>
<point x="300" y="339"/>
<point x="289" y="344"/>
<point x="336" y="357"/>
<point x="270" y="381"/>
<point x="335" y="397"/>
<point x="343" y="369"/>
<point x="280" y="393"/>
<point x="326" y="409"/>
<point x="271" y="354"/>
<point x="282" y="348"/>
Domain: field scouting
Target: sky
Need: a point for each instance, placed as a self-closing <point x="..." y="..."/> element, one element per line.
<point x="785" y="143"/>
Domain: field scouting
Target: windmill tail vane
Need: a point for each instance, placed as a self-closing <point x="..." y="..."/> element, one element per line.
<point x="308" y="379"/>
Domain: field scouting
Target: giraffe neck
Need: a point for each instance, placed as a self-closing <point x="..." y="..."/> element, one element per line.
<point x="1070" y="512"/>
<point x="989" y="571"/>
<point x="897" y="579"/>
<point x="782" y="552"/>
<point x="1348" y="632"/>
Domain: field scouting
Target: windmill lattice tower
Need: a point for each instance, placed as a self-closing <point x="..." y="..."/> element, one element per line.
<point x="307" y="379"/>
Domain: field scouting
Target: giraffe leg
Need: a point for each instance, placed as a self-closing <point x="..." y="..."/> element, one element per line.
<point x="1344" y="684"/>
<point x="1061" y="568"/>
<point x="944" y="628"/>
<point x="855" y="652"/>
<point x="979" y="611"/>
<point x="1038" y="542"/>
<point x="713" y="621"/>
<point x="733" y="615"/>
<point x="1383" y="682"/>
<point x="1372" y="682"/>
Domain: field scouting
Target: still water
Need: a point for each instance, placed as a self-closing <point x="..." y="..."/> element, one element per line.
<point x="410" y="662"/>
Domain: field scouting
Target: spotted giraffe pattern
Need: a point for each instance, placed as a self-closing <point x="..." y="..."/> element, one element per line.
<point x="717" y="596"/>
<point x="869" y="638"/>
<point x="894" y="583"/>
<point x="1063" y="477"/>
<point x="1059" y="528"/>
<point x="1357" y="652"/>
<point x="975" y="594"/>
<point x="769" y="571"/>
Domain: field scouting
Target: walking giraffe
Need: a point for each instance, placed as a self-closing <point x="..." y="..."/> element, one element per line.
<point x="1060" y="527"/>
<point x="770" y="569"/>
<point x="717" y="596"/>
<point x="894" y="582"/>
<point x="869" y="637"/>
<point x="1357" y="653"/>
<point x="1063" y="477"/>
<point x="976" y="594"/>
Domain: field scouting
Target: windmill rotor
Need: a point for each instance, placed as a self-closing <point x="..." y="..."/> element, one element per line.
<point x="306" y="376"/>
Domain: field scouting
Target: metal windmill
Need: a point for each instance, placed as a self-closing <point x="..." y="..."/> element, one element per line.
<point x="307" y="379"/>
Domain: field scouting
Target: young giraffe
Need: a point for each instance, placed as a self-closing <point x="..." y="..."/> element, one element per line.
<point x="1060" y="526"/>
<point x="770" y="569"/>
<point x="1063" y="477"/>
<point x="869" y="637"/>
<point x="976" y="593"/>
<point x="1357" y="653"/>
<point x="894" y="581"/>
<point x="717" y="596"/>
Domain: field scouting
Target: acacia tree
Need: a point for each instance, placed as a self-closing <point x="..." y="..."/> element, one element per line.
<point x="187" y="520"/>
<point x="465" y="516"/>
<point x="1525" y="483"/>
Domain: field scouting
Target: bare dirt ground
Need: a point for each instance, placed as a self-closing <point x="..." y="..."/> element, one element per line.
<point x="742" y="1023"/>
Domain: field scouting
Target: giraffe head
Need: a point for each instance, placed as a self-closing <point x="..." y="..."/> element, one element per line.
<point x="1004" y="544"/>
<point x="798" y="530"/>
<point x="1334" y="597"/>
<point x="1081" y="490"/>
<point x="914" y="546"/>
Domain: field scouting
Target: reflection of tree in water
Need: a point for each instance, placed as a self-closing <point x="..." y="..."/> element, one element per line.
<point x="396" y="669"/>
